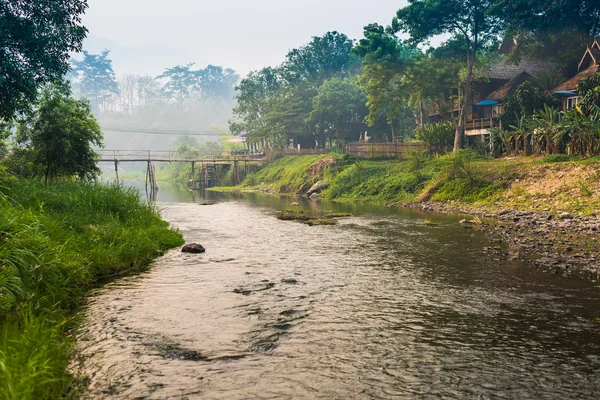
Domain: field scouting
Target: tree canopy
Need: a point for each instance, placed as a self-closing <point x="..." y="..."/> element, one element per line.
<point x="278" y="104"/>
<point x="60" y="134"/>
<point x="96" y="78"/>
<point x="474" y="23"/>
<point x="36" y="37"/>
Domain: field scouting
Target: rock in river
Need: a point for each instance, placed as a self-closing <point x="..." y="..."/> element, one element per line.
<point x="317" y="187"/>
<point x="193" y="248"/>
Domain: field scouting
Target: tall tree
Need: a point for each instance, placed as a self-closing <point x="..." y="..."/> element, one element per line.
<point x="96" y="77"/>
<point x="253" y="95"/>
<point x="385" y="60"/>
<point x="181" y="82"/>
<point x="60" y="133"/>
<point x="339" y="108"/>
<point x="475" y="23"/>
<point x="322" y="58"/>
<point x="582" y="16"/>
<point x="36" y="37"/>
<point x="215" y="81"/>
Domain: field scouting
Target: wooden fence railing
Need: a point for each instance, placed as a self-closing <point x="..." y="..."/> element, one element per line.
<point x="392" y="150"/>
<point x="294" y="152"/>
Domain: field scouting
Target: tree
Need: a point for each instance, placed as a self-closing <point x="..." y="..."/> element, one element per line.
<point x="274" y="104"/>
<point x="96" y="78"/>
<point x="384" y="62"/>
<point x="339" y="108"/>
<point x="181" y="82"/>
<point x="400" y="80"/>
<point x="475" y="23"/>
<point x="253" y="95"/>
<point x="217" y="82"/>
<point x="583" y="16"/>
<point x="36" y="37"/>
<point x="60" y="133"/>
<point x="323" y="58"/>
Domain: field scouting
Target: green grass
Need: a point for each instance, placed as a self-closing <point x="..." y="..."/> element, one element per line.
<point x="56" y="242"/>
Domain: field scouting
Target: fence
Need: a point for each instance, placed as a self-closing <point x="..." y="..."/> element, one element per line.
<point x="294" y="152"/>
<point x="392" y="150"/>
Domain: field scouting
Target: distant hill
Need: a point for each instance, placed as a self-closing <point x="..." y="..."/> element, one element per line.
<point x="151" y="60"/>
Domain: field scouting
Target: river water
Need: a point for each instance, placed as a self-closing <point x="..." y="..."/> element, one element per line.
<point x="379" y="306"/>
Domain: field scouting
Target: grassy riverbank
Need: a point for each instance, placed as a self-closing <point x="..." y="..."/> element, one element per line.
<point x="56" y="242"/>
<point x="552" y="184"/>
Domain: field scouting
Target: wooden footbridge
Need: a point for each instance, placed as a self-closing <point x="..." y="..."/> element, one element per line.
<point x="209" y="164"/>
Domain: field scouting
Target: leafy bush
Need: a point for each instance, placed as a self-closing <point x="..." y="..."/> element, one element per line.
<point x="437" y="135"/>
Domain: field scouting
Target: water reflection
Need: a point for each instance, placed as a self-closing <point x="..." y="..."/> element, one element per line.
<point x="379" y="306"/>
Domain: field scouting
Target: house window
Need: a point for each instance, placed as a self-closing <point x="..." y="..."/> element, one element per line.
<point x="572" y="102"/>
<point x="497" y="110"/>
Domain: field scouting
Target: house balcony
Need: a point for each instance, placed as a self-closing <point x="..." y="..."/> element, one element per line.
<point x="480" y="126"/>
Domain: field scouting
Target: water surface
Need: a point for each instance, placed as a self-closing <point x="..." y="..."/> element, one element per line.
<point x="379" y="306"/>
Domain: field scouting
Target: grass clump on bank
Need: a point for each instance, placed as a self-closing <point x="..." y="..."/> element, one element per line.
<point x="548" y="184"/>
<point x="56" y="242"/>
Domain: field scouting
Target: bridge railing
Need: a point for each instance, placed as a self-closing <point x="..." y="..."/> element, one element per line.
<point x="170" y="155"/>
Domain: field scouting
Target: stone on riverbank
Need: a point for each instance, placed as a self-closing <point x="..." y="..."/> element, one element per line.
<point x="317" y="187"/>
<point x="193" y="248"/>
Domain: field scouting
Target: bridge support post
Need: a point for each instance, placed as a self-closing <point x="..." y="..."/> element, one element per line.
<point x="117" y="169"/>
<point x="193" y="175"/>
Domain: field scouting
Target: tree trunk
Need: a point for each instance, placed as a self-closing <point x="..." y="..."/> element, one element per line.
<point x="460" y="129"/>
<point x="421" y="114"/>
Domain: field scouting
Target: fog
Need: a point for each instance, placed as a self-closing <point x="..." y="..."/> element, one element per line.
<point x="145" y="37"/>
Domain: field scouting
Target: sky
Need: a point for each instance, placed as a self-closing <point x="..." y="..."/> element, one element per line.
<point x="146" y="36"/>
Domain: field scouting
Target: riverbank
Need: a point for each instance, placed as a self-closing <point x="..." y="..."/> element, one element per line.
<point x="56" y="243"/>
<point x="545" y="210"/>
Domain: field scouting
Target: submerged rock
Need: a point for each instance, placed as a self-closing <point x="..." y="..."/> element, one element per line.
<point x="193" y="248"/>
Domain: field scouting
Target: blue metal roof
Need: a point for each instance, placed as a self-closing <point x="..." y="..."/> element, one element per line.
<point x="487" y="103"/>
<point x="565" y="93"/>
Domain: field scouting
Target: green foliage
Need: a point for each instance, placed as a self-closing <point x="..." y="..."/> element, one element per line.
<point x="217" y="82"/>
<point x="36" y="39"/>
<point x="274" y="104"/>
<point x="56" y="242"/>
<point x="466" y="189"/>
<point x="339" y="108"/>
<point x="580" y="17"/>
<point x="438" y="135"/>
<point x="417" y="159"/>
<point x="579" y="132"/>
<point x="524" y="102"/>
<point x="33" y="359"/>
<point x="558" y="158"/>
<point x="96" y="78"/>
<point x="59" y="134"/>
<point x="322" y="58"/>
<point x="589" y="90"/>
<point x="547" y="125"/>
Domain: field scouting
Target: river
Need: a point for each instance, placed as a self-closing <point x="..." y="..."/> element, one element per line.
<point x="380" y="306"/>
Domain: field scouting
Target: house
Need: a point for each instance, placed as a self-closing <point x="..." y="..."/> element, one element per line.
<point x="503" y="78"/>
<point x="486" y="113"/>
<point x="588" y="66"/>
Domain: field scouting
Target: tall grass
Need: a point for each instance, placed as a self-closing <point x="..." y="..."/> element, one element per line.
<point x="421" y="176"/>
<point x="55" y="243"/>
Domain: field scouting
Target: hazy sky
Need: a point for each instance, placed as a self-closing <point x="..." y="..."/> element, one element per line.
<point x="240" y="34"/>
